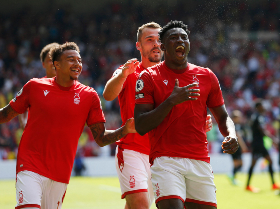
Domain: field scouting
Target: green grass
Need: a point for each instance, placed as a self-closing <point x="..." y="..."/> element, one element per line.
<point x="104" y="193"/>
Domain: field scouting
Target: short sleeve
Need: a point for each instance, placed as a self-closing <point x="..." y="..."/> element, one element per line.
<point x="96" y="114"/>
<point x="21" y="102"/>
<point x="144" y="90"/>
<point x="215" y="97"/>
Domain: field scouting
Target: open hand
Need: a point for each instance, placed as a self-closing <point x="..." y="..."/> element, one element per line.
<point x="182" y="94"/>
<point x="129" y="67"/>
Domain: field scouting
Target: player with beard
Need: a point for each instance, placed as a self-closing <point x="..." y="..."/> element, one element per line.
<point x="50" y="72"/>
<point x="175" y="118"/>
<point x="59" y="107"/>
<point x="132" y="155"/>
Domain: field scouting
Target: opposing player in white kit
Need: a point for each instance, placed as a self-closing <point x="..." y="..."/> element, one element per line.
<point x="59" y="107"/>
<point x="132" y="155"/>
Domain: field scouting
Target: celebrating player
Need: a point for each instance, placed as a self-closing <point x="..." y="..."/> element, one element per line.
<point x="171" y="101"/>
<point x="59" y="107"/>
<point x="132" y="156"/>
<point x="50" y="72"/>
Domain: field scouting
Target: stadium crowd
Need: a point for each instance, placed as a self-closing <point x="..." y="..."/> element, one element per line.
<point x="240" y="43"/>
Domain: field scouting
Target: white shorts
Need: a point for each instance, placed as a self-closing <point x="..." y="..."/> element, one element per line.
<point x="185" y="179"/>
<point x="36" y="191"/>
<point x="134" y="174"/>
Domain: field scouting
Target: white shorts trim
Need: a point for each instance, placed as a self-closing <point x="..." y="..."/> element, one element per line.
<point x="188" y="179"/>
<point x="34" y="190"/>
<point x="134" y="174"/>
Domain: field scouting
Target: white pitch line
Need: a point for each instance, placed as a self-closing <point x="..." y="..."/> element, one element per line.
<point x="110" y="188"/>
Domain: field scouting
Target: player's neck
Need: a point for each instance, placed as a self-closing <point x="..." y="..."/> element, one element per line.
<point x="176" y="65"/>
<point x="147" y="63"/>
<point x="64" y="82"/>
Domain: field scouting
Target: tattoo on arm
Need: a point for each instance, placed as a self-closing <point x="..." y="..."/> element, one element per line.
<point x="102" y="138"/>
<point x="7" y="113"/>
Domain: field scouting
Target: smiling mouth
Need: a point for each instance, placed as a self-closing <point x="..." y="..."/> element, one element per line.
<point x="75" y="70"/>
<point x="180" y="51"/>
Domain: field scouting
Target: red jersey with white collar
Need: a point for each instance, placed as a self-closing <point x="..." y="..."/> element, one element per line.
<point x="182" y="132"/>
<point x="132" y="141"/>
<point x="57" y="116"/>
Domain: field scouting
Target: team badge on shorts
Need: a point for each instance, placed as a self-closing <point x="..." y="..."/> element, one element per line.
<point x="20" y="199"/>
<point x="132" y="182"/>
<point x="139" y="85"/>
<point x="157" y="190"/>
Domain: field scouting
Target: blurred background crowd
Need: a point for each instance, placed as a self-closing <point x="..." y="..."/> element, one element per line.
<point x="238" y="41"/>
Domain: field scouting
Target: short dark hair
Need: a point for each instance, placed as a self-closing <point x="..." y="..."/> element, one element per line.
<point x="170" y="25"/>
<point x="258" y="103"/>
<point x="46" y="50"/>
<point x="56" y="52"/>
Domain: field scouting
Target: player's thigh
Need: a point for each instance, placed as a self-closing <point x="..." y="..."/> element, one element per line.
<point x="167" y="180"/>
<point x="170" y="203"/>
<point x="191" y="205"/>
<point x="200" y="184"/>
<point x="53" y="194"/>
<point x="134" y="174"/>
<point x="138" y="200"/>
<point x="28" y="190"/>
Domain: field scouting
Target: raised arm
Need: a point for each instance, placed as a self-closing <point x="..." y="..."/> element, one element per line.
<point x="114" y="86"/>
<point x="227" y="129"/>
<point x="104" y="137"/>
<point x="7" y="113"/>
<point x="147" y="117"/>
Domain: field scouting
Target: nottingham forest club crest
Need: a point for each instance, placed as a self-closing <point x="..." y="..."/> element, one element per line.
<point x="76" y="98"/>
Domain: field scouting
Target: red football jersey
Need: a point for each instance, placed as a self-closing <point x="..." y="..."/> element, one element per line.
<point x="57" y="116"/>
<point x="126" y="98"/>
<point x="182" y="132"/>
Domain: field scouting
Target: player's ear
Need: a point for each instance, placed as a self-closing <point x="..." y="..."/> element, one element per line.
<point x="138" y="46"/>
<point x="56" y="64"/>
<point x="162" y="47"/>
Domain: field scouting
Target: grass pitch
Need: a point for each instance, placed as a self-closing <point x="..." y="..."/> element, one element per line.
<point x="104" y="193"/>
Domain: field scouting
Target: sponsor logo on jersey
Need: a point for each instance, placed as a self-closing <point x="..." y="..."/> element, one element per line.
<point x="76" y="98"/>
<point x="139" y="85"/>
<point x="157" y="190"/>
<point x="165" y="82"/>
<point x="20" y="199"/>
<point x="46" y="92"/>
<point x="132" y="182"/>
<point x="138" y="96"/>
<point x="195" y="80"/>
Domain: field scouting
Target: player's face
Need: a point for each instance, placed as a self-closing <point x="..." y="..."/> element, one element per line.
<point x="176" y="45"/>
<point x="69" y="65"/>
<point x="149" y="45"/>
<point x="48" y="65"/>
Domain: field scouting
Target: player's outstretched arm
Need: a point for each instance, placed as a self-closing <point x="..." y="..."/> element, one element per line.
<point x="227" y="129"/>
<point x="7" y="113"/>
<point x="147" y="117"/>
<point x="104" y="137"/>
<point x="114" y="86"/>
